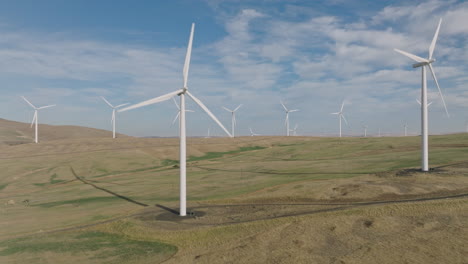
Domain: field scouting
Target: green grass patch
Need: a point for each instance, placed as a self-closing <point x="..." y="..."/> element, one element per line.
<point x="82" y="201"/>
<point x="3" y="186"/>
<point x="97" y="246"/>
<point x="52" y="180"/>
<point x="128" y="171"/>
<point x="214" y="155"/>
<point x="102" y="170"/>
<point x="169" y="162"/>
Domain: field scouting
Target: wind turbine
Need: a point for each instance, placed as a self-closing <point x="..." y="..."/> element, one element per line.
<point x="406" y="128"/>
<point x="183" y="146"/>
<point x="178" y="112"/>
<point x="233" y="118"/>
<point x="294" y="130"/>
<point x="466" y="125"/>
<point x="419" y="102"/>
<point x="35" y="118"/>
<point x="365" y="130"/>
<point x="287" y="117"/>
<point x="252" y="133"/>
<point x="421" y="62"/>
<point x="114" y="108"/>
<point x="340" y="116"/>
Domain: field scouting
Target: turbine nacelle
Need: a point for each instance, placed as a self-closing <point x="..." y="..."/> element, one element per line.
<point x="184" y="90"/>
<point x="420" y="64"/>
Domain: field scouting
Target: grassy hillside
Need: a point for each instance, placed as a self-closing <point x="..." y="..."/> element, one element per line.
<point x="13" y="133"/>
<point x="254" y="199"/>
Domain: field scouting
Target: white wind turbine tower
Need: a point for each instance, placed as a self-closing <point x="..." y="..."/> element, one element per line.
<point x="233" y="118"/>
<point x="406" y="128"/>
<point x="287" y="117"/>
<point x="365" y="130"/>
<point x="340" y="116"/>
<point x="183" y="146"/>
<point x="114" y="108"/>
<point x="178" y="113"/>
<point x="294" y="130"/>
<point x="421" y="62"/>
<point x="252" y="133"/>
<point x="35" y="118"/>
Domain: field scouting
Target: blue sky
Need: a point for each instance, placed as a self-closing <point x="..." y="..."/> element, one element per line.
<point x="310" y="54"/>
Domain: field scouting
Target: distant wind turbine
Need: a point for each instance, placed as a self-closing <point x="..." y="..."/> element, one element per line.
<point x="406" y="128"/>
<point x="114" y="108"/>
<point x="35" y="118"/>
<point x="365" y="130"/>
<point x="294" y="130"/>
<point x="421" y="62"/>
<point x="183" y="145"/>
<point x="287" y="117"/>
<point x="341" y="116"/>
<point x="419" y="102"/>
<point x="178" y="112"/>
<point x="233" y="118"/>
<point x="252" y="133"/>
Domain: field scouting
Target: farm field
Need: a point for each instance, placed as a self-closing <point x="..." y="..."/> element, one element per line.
<point x="250" y="200"/>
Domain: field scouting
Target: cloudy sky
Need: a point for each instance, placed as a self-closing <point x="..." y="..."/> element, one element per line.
<point x="310" y="54"/>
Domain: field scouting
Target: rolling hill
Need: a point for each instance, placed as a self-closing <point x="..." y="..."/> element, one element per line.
<point x="14" y="133"/>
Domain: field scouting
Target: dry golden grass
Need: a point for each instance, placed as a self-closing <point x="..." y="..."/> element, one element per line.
<point x="77" y="182"/>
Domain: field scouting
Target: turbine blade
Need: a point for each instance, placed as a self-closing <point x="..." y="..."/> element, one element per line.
<point x="227" y="109"/>
<point x="337" y="113"/>
<point x="438" y="87"/>
<point x="434" y="40"/>
<point x="187" y="56"/>
<point x="159" y="99"/>
<point x="238" y="107"/>
<point x="429" y="104"/>
<point x="175" y="118"/>
<point x="295" y="110"/>
<point x="345" y="119"/>
<point x="175" y="102"/>
<point x="411" y="56"/>
<point x="189" y="111"/>
<point x="107" y="102"/>
<point x="342" y="105"/>
<point x="419" y="102"/>
<point x="208" y="112"/>
<point x="24" y="98"/>
<point x="284" y="106"/>
<point x="120" y="105"/>
<point x="34" y="118"/>
<point x="47" y="106"/>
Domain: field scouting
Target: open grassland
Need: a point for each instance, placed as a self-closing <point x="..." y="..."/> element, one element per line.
<point x="254" y="200"/>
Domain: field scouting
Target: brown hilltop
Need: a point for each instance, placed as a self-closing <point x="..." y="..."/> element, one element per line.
<point x="13" y="133"/>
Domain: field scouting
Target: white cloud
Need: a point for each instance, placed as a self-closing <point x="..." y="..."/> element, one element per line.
<point x="312" y="62"/>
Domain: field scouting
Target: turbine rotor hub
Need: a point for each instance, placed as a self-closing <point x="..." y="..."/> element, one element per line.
<point x="420" y="64"/>
<point x="183" y="92"/>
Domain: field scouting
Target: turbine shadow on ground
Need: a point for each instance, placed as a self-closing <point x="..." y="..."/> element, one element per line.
<point x="107" y="191"/>
<point x="170" y="210"/>
<point x="283" y="173"/>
